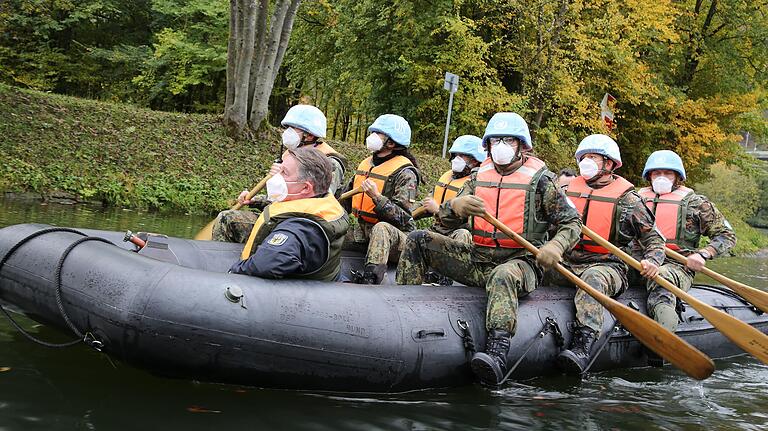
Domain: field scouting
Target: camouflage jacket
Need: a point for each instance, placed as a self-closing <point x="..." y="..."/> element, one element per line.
<point x="703" y="218"/>
<point x="394" y="209"/>
<point x="636" y="223"/>
<point x="552" y="207"/>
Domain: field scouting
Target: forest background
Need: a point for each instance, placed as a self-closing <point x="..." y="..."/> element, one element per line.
<point x="688" y="75"/>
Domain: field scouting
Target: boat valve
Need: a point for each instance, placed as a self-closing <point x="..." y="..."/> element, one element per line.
<point x="235" y="294"/>
<point x="130" y="237"/>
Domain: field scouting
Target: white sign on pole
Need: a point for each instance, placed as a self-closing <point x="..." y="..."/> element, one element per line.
<point x="451" y="84"/>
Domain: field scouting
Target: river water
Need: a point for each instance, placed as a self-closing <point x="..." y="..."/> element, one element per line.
<point x="78" y="388"/>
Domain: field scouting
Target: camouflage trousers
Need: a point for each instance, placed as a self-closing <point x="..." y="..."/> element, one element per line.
<point x="461" y="235"/>
<point x="608" y="278"/>
<point x="661" y="297"/>
<point x="234" y="225"/>
<point x="504" y="282"/>
<point x="385" y="244"/>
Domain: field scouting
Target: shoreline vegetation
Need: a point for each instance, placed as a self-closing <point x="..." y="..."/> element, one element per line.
<point x="68" y="149"/>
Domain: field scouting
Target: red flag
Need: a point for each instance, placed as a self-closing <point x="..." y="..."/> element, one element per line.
<point x="606" y="111"/>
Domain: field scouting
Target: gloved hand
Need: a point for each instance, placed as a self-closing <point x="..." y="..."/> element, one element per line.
<point x="470" y="205"/>
<point x="431" y="205"/>
<point x="549" y="254"/>
<point x="242" y="198"/>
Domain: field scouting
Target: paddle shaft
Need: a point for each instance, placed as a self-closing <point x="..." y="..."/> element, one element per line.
<point x="419" y="211"/>
<point x="350" y="193"/>
<point x="758" y="298"/>
<point x="257" y="188"/>
<point x="742" y="334"/>
<point x="646" y="330"/>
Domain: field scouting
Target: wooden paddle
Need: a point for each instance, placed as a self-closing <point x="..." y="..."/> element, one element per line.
<point x="350" y="193"/>
<point x="666" y="344"/>
<point x="207" y="232"/>
<point x="758" y="298"/>
<point x="419" y="211"/>
<point x="742" y="334"/>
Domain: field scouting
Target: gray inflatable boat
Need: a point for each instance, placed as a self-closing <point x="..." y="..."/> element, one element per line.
<point x="172" y="309"/>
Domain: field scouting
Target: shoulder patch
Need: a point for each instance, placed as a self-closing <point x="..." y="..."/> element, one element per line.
<point x="278" y="239"/>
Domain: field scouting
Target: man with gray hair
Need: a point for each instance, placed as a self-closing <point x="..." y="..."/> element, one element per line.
<point x="299" y="235"/>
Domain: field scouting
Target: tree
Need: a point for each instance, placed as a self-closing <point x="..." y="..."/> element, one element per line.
<point x="255" y="50"/>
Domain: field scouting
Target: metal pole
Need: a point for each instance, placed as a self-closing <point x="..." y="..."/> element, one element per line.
<point x="447" y="123"/>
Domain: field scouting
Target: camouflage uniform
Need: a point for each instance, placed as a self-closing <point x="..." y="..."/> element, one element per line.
<point x="337" y="180"/>
<point x="506" y="273"/>
<point x="702" y="217"/>
<point x="606" y="272"/>
<point x="384" y="240"/>
<point x="236" y="225"/>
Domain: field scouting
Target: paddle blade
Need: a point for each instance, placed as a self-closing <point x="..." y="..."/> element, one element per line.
<point x="206" y="233"/>
<point x="667" y="345"/>
<point x="740" y="333"/>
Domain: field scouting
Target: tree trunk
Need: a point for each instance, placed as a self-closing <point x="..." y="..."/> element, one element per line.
<point x="231" y="47"/>
<point x="255" y="50"/>
<point x="280" y="28"/>
<point x="258" y="53"/>
<point x="236" y="115"/>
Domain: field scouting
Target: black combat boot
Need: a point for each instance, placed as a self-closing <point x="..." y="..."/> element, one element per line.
<point x="373" y="274"/>
<point x="574" y="360"/>
<point x="491" y="366"/>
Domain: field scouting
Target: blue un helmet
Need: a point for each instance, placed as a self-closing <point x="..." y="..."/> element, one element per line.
<point x="307" y="118"/>
<point x="470" y="145"/>
<point x="599" y="144"/>
<point x="664" y="159"/>
<point x="507" y="124"/>
<point x="394" y="126"/>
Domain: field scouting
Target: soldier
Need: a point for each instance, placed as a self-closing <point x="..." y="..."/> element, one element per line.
<point x="609" y="206"/>
<point x="466" y="154"/>
<point x="300" y="234"/>
<point x="517" y="188"/>
<point x="564" y="177"/>
<point x="305" y="126"/>
<point x="389" y="179"/>
<point x="682" y="216"/>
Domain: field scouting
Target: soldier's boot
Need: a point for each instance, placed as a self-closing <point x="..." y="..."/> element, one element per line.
<point x="491" y="366"/>
<point x="432" y="277"/>
<point x="574" y="360"/>
<point x="374" y="273"/>
<point x="667" y="317"/>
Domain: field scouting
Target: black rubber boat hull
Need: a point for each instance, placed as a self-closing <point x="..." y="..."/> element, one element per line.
<point x="175" y="319"/>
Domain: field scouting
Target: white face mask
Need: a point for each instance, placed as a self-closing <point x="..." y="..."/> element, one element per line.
<point x="291" y="139"/>
<point x="374" y="143"/>
<point x="502" y="154"/>
<point x="458" y="164"/>
<point x="588" y="168"/>
<point x="662" y="185"/>
<point x="277" y="188"/>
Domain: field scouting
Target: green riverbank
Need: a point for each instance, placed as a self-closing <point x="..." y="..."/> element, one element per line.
<point x="125" y="156"/>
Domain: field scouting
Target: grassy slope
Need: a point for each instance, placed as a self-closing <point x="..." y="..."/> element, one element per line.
<point x="128" y="156"/>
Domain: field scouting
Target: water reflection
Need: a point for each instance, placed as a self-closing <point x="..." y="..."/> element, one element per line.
<point x="88" y="216"/>
<point x="78" y="388"/>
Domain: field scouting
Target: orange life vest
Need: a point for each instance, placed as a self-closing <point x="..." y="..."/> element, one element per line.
<point x="362" y="205"/>
<point x="447" y="187"/>
<point x="671" y="210"/>
<point x="511" y="199"/>
<point x="598" y="209"/>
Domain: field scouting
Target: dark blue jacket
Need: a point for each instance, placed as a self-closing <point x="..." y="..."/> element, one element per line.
<point x="295" y="246"/>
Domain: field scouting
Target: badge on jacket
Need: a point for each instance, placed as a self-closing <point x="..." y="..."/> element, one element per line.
<point x="278" y="239"/>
